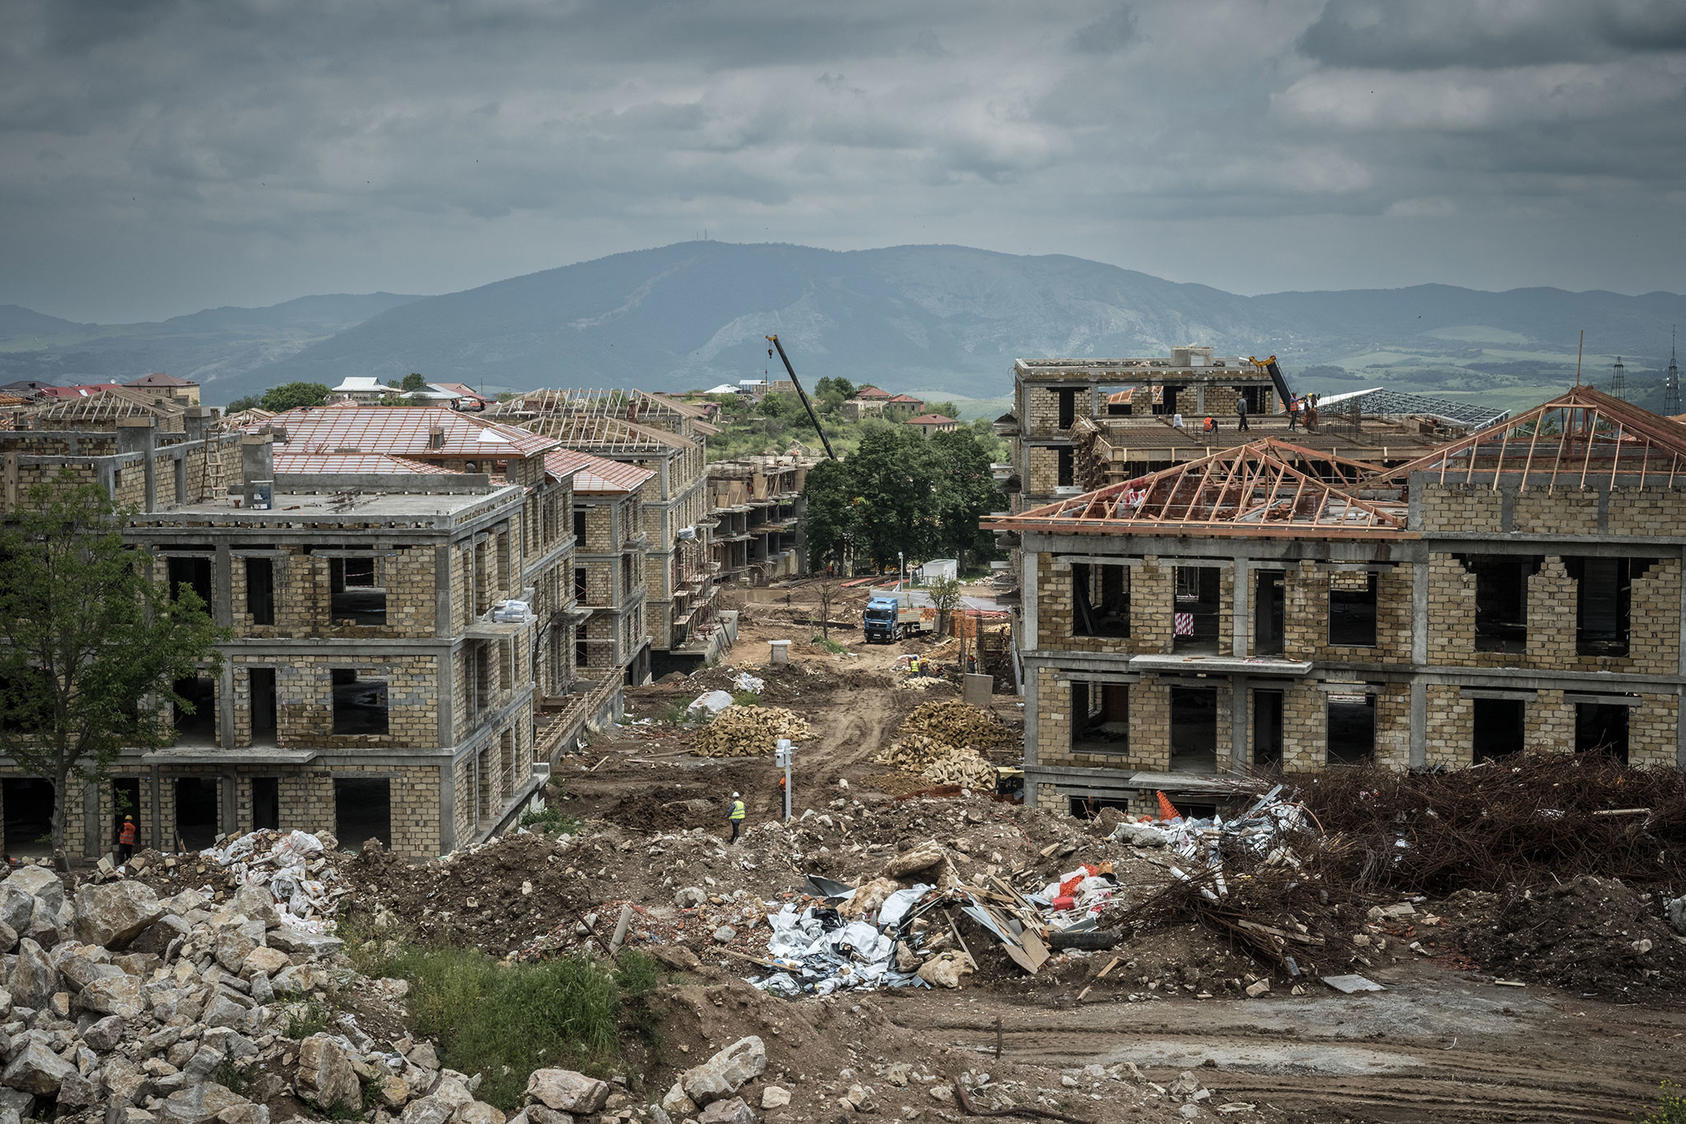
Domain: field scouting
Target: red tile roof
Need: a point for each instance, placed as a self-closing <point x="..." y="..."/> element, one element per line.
<point x="462" y="391"/>
<point x="405" y="430"/>
<point x="289" y="462"/>
<point x="871" y="392"/>
<point x="905" y="398"/>
<point x="595" y="475"/>
<point x="931" y="419"/>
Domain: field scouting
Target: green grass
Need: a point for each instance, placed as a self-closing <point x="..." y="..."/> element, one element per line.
<point x="746" y="698"/>
<point x="312" y="1016"/>
<point x="549" y="821"/>
<point x="505" y="1020"/>
<point x="828" y="644"/>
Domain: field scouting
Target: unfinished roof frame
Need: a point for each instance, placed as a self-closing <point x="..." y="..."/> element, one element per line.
<point x="1259" y="489"/>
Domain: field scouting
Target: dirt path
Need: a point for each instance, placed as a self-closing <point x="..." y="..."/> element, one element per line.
<point x="1437" y="1047"/>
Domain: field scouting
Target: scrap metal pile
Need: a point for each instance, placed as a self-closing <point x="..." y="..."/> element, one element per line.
<point x="899" y="930"/>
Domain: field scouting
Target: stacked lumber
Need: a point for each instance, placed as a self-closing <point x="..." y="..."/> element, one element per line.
<point x="937" y="762"/>
<point x="749" y="731"/>
<point x="961" y="724"/>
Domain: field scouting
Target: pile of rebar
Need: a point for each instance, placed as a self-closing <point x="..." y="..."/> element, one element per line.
<point x="1524" y="819"/>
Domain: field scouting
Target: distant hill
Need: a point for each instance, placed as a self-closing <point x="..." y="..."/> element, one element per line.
<point x="210" y="347"/>
<point x="943" y="318"/>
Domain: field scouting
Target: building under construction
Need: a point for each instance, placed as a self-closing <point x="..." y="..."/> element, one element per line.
<point x="1421" y="592"/>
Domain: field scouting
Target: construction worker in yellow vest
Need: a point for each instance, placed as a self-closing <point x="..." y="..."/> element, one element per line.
<point x="735" y="816"/>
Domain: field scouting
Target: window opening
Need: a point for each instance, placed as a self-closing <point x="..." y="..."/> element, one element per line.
<point x="362" y="810"/>
<point x="266" y="803"/>
<point x="1068" y="406"/>
<point x="1603" y="603"/>
<point x="196" y="713"/>
<point x="1496" y="729"/>
<point x="1501" y="601"/>
<point x="1351" y="729"/>
<point x="1067" y="467"/>
<point x="579" y="525"/>
<point x="1352" y="608"/>
<point x="354" y="594"/>
<point x="1088" y="807"/>
<point x="360" y="705"/>
<point x="195" y="573"/>
<point x="196" y="812"/>
<point x="1194" y="621"/>
<point x="1267" y="728"/>
<point x="1602" y="728"/>
<point x="28" y="816"/>
<point x="1100" y="717"/>
<point x="1102" y="600"/>
<point x="260" y="590"/>
<point x="1268" y="603"/>
<point x="580" y="584"/>
<point x="125" y="801"/>
<point x="1194" y="729"/>
<point x="263" y="704"/>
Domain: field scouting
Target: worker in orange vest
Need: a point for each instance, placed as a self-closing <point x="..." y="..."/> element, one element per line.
<point x="126" y="839"/>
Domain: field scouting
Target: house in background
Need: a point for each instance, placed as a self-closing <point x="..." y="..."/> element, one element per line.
<point x="928" y="424"/>
<point x="161" y="386"/>
<point x="364" y="388"/>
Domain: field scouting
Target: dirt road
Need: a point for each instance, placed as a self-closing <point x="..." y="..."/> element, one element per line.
<point x="1436" y="1047"/>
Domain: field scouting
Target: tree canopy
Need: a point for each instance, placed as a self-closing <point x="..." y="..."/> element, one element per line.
<point x="91" y="644"/>
<point x="415" y="380"/>
<point x="900" y="492"/>
<point x="292" y="395"/>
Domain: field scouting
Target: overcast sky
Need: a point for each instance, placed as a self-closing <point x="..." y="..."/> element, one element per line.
<point x="161" y="156"/>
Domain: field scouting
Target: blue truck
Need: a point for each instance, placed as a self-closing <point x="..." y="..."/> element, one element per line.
<point x="893" y="614"/>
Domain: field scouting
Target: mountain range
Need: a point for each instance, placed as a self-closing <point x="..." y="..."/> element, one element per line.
<point x="942" y="319"/>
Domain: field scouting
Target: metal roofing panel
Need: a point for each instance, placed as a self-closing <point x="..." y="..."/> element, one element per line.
<point x="401" y="430"/>
<point x="595" y="474"/>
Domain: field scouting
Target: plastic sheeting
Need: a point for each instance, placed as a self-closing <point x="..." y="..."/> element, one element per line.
<point x="281" y="865"/>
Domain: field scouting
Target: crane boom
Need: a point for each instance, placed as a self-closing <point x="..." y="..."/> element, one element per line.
<point x="802" y="394"/>
<point x="1270" y="367"/>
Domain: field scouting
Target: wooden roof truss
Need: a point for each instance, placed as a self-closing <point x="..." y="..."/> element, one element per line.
<point x="1269" y="488"/>
<point x="1582" y="437"/>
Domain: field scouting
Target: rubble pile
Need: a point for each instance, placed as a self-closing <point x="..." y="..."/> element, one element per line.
<point x="1596" y="936"/>
<point x="1525" y="820"/>
<point x="124" y="1006"/>
<point x="950" y="743"/>
<point x="749" y="731"/>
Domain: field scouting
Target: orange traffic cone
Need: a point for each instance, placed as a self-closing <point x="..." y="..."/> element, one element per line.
<point x="1167" y="810"/>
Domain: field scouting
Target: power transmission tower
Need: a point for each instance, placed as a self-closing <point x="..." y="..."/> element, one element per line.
<point x="1671" y="384"/>
<point x="1618" y="379"/>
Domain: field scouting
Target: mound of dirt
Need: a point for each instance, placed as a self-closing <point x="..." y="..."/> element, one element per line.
<point x="1594" y="935"/>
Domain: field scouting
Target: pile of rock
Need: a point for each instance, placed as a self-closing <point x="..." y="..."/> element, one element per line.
<point x="122" y="1007"/>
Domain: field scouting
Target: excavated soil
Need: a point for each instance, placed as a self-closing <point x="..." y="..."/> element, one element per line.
<point x="1593" y="936"/>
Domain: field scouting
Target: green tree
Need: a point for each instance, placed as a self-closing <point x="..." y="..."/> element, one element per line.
<point x="88" y="639"/>
<point x="945" y="595"/>
<point x="413" y="381"/>
<point x="290" y="396"/>
<point x="248" y="402"/>
<point x="829" y="517"/>
<point x="966" y="492"/>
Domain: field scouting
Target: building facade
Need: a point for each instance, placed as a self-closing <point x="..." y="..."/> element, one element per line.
<point x="1272" y="606"/>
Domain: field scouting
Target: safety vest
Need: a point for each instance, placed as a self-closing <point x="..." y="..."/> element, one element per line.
<point x="736" y="815"/>
<point x="127" y="837"/>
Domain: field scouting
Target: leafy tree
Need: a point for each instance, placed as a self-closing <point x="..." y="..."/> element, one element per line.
<point x="250" y="401"/>
<point x="945" y="595"/>
<point x="290" y="396"/>
<point x="413" y="381"/>
<point x="829" y="519"/>
<point x="88" y="637"/>
<point x="966" y="492"/>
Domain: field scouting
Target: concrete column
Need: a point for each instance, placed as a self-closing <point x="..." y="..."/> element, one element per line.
<point x="1419" y="723"/>
<point x="91" y="820"/>
<point x="1240" y="699"/>
<point x="139" y="435"/>
<point x="225" y="706"/>
<point x="1419" y="614"/>
<point x="1027" y="600"/>
<point x="1241" y="581"/>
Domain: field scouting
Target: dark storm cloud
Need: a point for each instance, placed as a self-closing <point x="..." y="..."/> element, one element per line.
<point x="1488" y="34"/>
<point x="168" y="154"/>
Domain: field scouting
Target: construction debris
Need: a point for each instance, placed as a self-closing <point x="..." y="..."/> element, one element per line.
<point x="293" y="867"/>
<point x="749" y="731"/>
